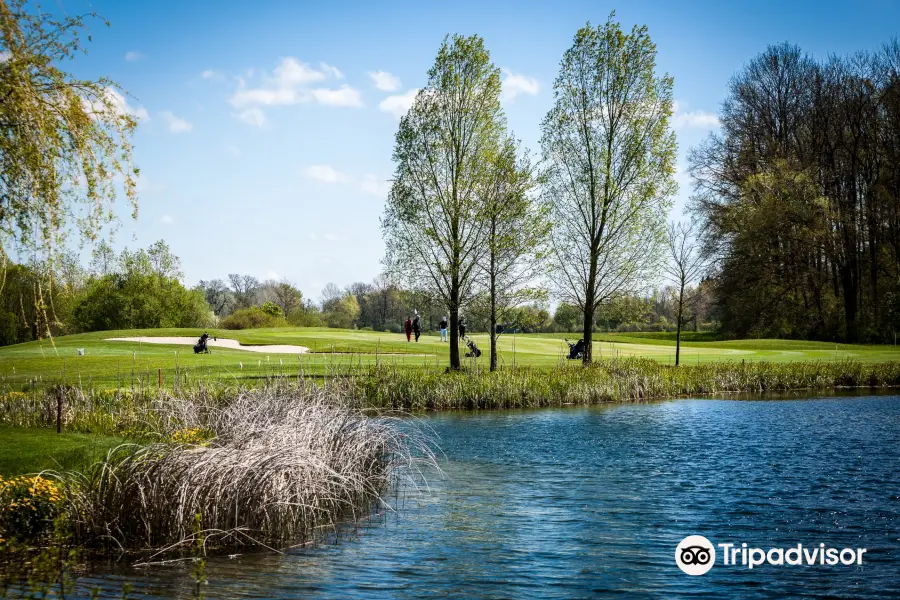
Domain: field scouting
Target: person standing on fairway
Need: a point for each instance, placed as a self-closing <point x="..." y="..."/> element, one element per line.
<point x="444" y="328"/>
<point x="407" y="326"/>
<point x="462" y="329"/>
<point x="417" y="329"/>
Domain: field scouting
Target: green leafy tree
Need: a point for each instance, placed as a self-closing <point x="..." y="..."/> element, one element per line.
<point x="343" y="313"/>
<point x="610" y="157"/>
<point x="64" y="141"/>
<point x="137" y="295"/>
<point x="272" y="309"/>
<point x="286" y="296"/>
<point x="567" y="317"/>
<point x="515" y="232"/>
<point x="433" y="223"/>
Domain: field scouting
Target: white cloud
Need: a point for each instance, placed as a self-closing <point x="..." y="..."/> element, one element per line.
<point x="211" y="74"/>
<point x="167" y="220"/>
<point x="176" y="124"/>
<point x="233" y="151"/>
<point x="4" y="56"/>
<point x="368" y="184"/>
<point x="343" y="96"/>
<point x="133" y="56"/>
<point x="515" y="84"/>
<point x="325" y="174"/>
<point x="273" y="275"/>
<point x="288" y="85"/>
<point x="252" y="116"/>
<point x="118" y="103"/>
<point x="384" y="81"/>
<point x="334" y="71"/>
<point x="697" y="119"/>
<point x="371" y="184"/>
<point x="313" y="237"/>
<point x="399" y="104"/>
<point x="291" y="72"/>
<point x="330" y="237"/>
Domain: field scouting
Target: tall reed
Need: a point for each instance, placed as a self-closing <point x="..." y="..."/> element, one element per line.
<point x="280" y="464"/>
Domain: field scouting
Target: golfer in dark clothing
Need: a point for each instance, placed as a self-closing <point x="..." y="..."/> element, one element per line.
<point x="462" y="329"/>
<point x="407" y="327"/>
<point x="417" y="329"/>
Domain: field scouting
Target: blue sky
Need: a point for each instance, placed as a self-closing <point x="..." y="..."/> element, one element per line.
<point x="265" y="139"/>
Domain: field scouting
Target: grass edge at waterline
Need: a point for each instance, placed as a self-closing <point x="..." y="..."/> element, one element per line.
<point x="607" y="381"/>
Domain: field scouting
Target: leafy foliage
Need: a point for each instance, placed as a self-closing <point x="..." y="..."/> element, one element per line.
<point x="433" y="222"/>
<point x="610" y="165"/>
<point x="64" y="141"/>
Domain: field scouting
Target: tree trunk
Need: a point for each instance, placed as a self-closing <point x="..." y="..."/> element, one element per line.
<point x="589" y="306"/>
<point x="454" y="328"/>
<point x="588" y="333"/>
<point x="493" y="324"/>
<point x="493" y="314"/>
<point x="678" y="324"/>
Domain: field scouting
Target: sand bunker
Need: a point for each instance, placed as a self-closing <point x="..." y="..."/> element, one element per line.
<point x="219" y="343"/>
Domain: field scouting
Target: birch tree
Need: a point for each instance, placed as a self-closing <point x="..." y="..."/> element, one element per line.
<point x="610" y="165"/>
<point x="433" y="225"/>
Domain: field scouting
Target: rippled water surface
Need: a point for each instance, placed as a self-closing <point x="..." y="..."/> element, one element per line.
<point x="592" y="502"/>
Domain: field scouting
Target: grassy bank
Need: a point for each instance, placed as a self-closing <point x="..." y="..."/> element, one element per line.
<point x="615" y="380"/>
<point x="31" y="450"/>
<point x="120" y="412"/>
<point x="265" y="466"/>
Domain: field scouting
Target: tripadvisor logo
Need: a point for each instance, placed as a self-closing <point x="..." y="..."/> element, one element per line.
<point x="696" y="555"/>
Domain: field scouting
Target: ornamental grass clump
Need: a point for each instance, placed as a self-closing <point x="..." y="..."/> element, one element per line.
<point x="268" y="466"/>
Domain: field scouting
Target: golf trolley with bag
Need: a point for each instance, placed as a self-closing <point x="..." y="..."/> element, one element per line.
<point x="473" y="352"/>
<point x="576" y="350"/>
<point x="201" y="346"/>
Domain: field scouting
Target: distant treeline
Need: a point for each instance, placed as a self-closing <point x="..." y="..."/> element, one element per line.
<point x="145" y="289"/>
<point x="800" y="195"/>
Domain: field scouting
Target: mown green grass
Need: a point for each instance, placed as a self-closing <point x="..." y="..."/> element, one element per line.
<point x="123" y="364"/>
<point x="31" y="450"/>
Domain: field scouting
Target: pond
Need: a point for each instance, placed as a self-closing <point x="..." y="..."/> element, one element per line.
<point x="592" y="502"/>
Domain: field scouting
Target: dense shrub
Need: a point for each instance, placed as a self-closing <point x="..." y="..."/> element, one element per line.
<point x="306" y="317"/>
<point x="272" y="309"/>
<point x="138" y="301"/>
<point x="252" y="318"/>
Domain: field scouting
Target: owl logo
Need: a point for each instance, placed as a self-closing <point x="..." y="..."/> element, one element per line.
<point x="695" y="555"/>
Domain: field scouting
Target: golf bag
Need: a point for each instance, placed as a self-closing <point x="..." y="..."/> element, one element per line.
<point x="473" y="352"/>
<point x="576" y="350"/>
<point x="200" y="347"/>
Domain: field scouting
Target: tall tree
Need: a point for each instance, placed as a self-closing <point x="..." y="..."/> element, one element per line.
<point x="244" y="288"/>
<point x="610" y="157"/>
<point x="516" y="229"/>
<point x="800" y="195"/>
<point x="287" y="296"/>
<point x="217" y="295"/>
<point x="433" y="225"/>
<point x="64" y="141"/>
<point x="685" y="265"/>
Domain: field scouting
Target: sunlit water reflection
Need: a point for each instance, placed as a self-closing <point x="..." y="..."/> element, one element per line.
<point x="592" y="502"/>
